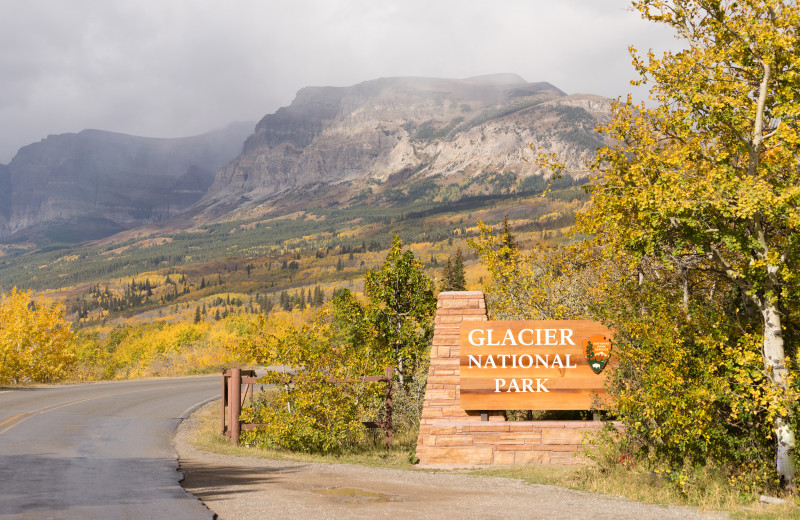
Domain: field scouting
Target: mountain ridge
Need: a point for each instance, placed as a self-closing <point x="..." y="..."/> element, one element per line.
<point x="368" y="143"/>
<point x="422" y="127"/>
<point x="115" y="179"/>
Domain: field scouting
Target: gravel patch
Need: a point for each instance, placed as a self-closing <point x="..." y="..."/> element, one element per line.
<point x="244" y="488"/>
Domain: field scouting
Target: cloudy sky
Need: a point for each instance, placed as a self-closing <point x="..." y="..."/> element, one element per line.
<point x="169" y="68"/>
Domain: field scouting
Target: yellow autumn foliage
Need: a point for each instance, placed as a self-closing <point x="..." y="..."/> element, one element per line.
<point x="163" y="349"/>
<point x="36" y="344"/>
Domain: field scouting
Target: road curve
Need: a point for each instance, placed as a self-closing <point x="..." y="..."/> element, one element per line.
<point x="100" y="450"/>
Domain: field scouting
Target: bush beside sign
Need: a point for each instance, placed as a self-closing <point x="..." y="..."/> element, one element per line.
<point x="533" y="365"/>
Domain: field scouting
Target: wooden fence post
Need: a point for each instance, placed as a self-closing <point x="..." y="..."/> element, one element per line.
<point x="224" y="394"/>
<point x="389" y="407"/>
<point x="235" y="404"/>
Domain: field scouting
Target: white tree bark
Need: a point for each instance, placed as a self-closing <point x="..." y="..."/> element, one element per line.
<point x="775" y="366"/>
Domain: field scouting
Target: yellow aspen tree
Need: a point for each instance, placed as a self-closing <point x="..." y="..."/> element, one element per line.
<point x="36" y="343"/>
<point x="710" y="173"/>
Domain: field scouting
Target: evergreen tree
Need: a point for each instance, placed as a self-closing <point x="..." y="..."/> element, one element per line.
<point x="197" y="316"/>
<point x="507" y="238"/>
<point x="453" y="278"/>
<point x="447" y="275"/>
<point x="459" y="281"/>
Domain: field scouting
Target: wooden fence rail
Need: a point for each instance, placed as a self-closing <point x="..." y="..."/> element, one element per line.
<point x="233" y="400"/>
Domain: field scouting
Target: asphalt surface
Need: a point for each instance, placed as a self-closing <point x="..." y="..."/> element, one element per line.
<point x="101" y="450"/>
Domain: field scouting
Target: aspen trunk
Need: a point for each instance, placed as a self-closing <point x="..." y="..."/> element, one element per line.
<point x="685" y="286"/>
<point x="775" y="365"/>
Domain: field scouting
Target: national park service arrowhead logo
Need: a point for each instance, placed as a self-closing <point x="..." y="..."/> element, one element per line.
<point x="598" y="351"/>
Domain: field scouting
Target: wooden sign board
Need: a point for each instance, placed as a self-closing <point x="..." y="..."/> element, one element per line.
<point x="533" y="365"/>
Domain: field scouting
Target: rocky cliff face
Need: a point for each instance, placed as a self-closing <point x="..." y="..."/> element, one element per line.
<point x="94" y="183"/>
<point x="5" y="194"/>
<point x="114" y="181"/>
<point x="415" y="126"/>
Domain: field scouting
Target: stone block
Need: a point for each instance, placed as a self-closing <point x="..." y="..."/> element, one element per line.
<point x="499" y="428"/>
<point x="448" y="380"/>
<point x="493" y="439"/>
<point x="449" y="327"/>
<point x="526" y="427"/>
<point x="522" y="438"/>
<point x="441" y="405"/>
<point x="445" y="373"/>
<point x="443" y="430"/>
<point x="453" y="440"/>
<point x="531" y="457"/>
<point x="451" y="335"/>
<point x="449" y="319"/>
<point x="431" y="413"/>
<point x="451" y="303"/>
<point x="468" y="456"/>
<point x="462" y="419"/>
<point x="463" y="312"/>
<point x="570" y="448"/>
<point x="562" y="435"/>
<point x="454" y="411"/>
<point x="513" y="447"/>
<point x="474" y="317"/>
<point x="461" y="294"/>
<point x="502" y="458"/>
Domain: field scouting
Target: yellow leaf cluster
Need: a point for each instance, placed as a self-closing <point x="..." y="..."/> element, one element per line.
<point x="36" y="344"/>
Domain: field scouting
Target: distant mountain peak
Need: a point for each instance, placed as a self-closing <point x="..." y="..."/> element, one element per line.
<point x="405" y="126"/>
<point x="97" y="182"/>
<point x="506" y="78"/>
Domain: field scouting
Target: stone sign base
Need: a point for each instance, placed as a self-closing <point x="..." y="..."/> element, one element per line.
<point x="448" y="435"/>
<point x="512" y="442"/>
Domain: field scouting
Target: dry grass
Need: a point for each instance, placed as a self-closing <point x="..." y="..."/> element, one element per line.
<point x="710" y="493"/>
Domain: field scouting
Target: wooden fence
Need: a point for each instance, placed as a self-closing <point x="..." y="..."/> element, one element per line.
<point x="233" y="399"/>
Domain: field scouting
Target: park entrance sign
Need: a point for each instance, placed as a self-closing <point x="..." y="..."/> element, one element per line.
<point x="533" y="365"/>
<point x="479" y="368"/>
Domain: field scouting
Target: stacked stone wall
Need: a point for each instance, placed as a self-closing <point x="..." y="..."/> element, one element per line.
<point x="449" y="435"/>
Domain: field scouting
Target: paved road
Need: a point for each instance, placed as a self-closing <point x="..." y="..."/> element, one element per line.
<point x="97" y="450"/>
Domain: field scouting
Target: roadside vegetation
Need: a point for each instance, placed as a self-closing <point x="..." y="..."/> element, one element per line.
<point x="684" y="242"/>
<point x="320" y="402"/>
<point x="35" y="340"/>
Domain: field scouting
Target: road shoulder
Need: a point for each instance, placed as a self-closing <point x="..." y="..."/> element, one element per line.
<point x="250" y="487"/>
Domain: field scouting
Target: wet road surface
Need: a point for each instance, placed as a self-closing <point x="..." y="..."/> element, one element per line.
<point x="100" y="450"/>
